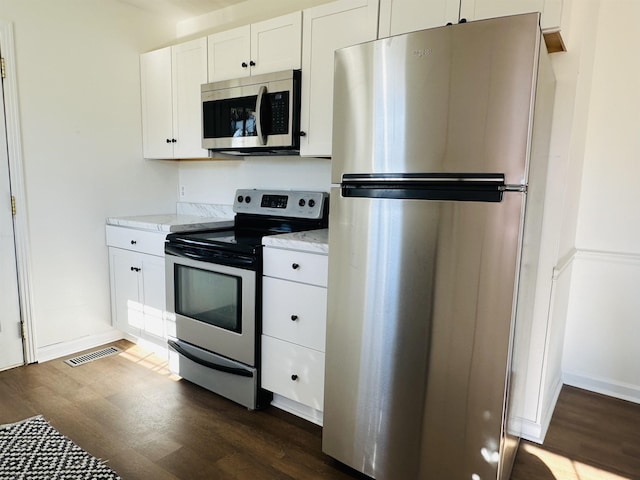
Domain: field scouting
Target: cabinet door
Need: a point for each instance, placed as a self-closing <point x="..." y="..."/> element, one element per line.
<point x="403" y="16"/>
<point x="126" y="290"/>
<point x="294" y="312"/>
<point x="293" y="371"/>
<point x="229" y="54"/>
<point x="189" y="71"/>
<point x="327" y="28"/>
<point x="157" y="115"/>
<point x="153" y="295"/>
<point x="478" y="9"/>
<point x="276" y="44"/>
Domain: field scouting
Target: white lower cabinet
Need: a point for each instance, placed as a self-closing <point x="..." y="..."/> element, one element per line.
<point x="136" y="263"/>
<point x="293" y="371"/>
<point x="294" y="315"/>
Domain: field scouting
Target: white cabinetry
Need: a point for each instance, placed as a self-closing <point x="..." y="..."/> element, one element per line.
<point x="264" y="47"/>
<point x="136" y="263"/>
<point x="325" y="29"/>
<point x="403" y="16"/>
<point x="171" y="107"/>
<point x="478" y="9"/>
<point x="294" y="323"/>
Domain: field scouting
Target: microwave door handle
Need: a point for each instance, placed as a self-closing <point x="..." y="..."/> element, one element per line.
<point x="261" y="93"/>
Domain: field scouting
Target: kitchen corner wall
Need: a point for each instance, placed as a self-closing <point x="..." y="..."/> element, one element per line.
<point x="216" y="181"/>
<point x="79" y="97"/>
<point x="602" y="339"/>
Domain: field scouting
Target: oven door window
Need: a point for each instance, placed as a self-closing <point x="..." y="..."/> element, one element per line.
<point x="209" y="297"/>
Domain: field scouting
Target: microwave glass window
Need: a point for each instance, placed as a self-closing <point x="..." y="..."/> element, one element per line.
<point x="209" y="297"/>
<point x="236" y="117"/>
<point x="233" y="117"/>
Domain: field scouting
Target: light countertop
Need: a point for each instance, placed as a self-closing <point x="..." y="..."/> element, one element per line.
<point x="313" y="241"/>
<point x="171" y="222"/>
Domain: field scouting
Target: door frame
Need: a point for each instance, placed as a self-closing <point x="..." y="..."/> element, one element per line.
<point x="21" y="232"/>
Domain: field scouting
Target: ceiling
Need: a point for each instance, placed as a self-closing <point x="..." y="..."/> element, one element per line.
<point x="181" y="9"/>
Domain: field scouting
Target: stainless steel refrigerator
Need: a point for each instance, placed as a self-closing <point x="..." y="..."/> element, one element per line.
<point x="439" y="165"/>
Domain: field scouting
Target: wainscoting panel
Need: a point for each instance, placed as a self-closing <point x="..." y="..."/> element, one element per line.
<point x="602" y="338"/>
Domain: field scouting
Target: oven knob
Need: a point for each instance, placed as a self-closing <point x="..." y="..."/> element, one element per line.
<point x="247" y="199"/>
<point x="301" y="202"/>
<point x="240" y="199"/>
<point x="312" y="203"/>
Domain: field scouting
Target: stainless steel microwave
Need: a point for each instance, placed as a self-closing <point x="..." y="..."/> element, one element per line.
<point x="253" y="115"/>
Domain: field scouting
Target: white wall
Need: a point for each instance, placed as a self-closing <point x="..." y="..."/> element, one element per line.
<point x="216" y="181"/>
<point x="602" y="339"/>
<point x="79" y="94"/>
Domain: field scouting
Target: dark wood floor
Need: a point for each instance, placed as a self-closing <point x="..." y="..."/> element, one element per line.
<point x="129" y="410"/>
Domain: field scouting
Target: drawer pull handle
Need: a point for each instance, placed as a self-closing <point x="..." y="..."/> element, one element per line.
<point x="135" y="269"/>
<point x="294" y="377"/>
<point x="294" y="318"/>
<point x="295" y="266"/>
<point x="133" y="242"/>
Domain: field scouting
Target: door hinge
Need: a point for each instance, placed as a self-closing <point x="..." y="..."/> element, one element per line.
<point x="13" y="205"/>
<point x="3" y="67"/>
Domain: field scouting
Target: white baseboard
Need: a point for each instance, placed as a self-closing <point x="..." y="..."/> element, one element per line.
<point x="611" y="388"/>
<point x="536" y="431"/>
<point x="297" y="409"/>
<point x="63" y="349"/>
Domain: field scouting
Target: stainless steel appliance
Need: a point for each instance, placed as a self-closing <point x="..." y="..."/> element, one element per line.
<point x="214" y="291"/>
<point x="253" y="115"/>
<point x="438" y="172"/>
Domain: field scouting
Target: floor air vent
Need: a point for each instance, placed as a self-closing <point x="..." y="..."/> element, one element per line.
<point x="91" y="356"/>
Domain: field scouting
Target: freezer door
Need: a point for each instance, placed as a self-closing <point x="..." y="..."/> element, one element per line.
<point x="454" y="99"/>
<point x="420" y="309"/>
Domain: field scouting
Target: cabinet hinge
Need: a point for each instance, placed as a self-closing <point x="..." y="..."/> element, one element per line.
<point x="3" y="67"/>
<point x="13" y="205"/>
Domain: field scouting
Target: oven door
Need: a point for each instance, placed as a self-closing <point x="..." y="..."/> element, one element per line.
<point x="214" y="306"/>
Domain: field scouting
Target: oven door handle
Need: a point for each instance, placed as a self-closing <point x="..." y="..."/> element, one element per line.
<point x="234" y="371"/>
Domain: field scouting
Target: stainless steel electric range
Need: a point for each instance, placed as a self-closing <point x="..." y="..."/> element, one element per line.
<point x="214" y="280"/>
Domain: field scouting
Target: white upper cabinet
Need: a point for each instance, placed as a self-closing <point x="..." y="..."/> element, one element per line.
<point x="171" y="112"/>
<point x="263" y="47"/>
<point x="189" y="71"/>
<point x="478" y="9"/>
<point x="404" y="16"/>
<point x="327" y="28"/>
<point x="157" y="114"/>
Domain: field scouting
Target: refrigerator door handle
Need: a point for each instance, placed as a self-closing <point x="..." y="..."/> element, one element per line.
<point x="437" y="186"/>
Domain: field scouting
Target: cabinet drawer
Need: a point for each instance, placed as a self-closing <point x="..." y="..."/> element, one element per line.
<point x="296" y="266"/>
<point x="136" y="240"/>
<point x="293" y="371"/>
<point x="295" y="312"/>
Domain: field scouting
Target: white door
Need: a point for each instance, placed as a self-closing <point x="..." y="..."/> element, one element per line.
<point x="11" y="349"/>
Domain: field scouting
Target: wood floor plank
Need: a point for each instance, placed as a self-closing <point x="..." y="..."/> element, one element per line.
<point x="130" y="410"/>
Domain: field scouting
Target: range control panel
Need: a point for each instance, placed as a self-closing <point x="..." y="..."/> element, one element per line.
<point x="283" y="203"/>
